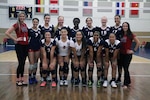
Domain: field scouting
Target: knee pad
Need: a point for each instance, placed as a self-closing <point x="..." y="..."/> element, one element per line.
<point x="99" y="69"/>
<point x="61" y="68"/>
<point x="66" y="68"/>
<point x="90" y="69"/>
<point x="82" y="69"/>
<point x="31" y="67"/>
<point x="53" y="72"/>
<point x="44" y="71"/>
<point x="76" y="69"/>
<point x="35" y="66"/>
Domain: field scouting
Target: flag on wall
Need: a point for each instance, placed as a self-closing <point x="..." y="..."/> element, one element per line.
<point x="39" y="9"/>
<point x="87" y="11"/>
<point x="134" y="12"/>
<point x="54" y="10"/>
<point x="120" y="8"/>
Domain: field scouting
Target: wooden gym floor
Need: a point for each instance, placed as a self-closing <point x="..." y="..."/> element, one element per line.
<point x="139" y="90"/>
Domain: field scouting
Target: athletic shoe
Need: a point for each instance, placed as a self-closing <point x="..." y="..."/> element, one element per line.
<point x="53" y="84"/>
<point x="61" y="82"/>
<point x="118" y="81"/>
<point x="125" y="87"/>
<point x="24" y="83"/>
<point x="30" y="81"/>
<point x="90" y="83"/>
<point x="98" y="83"/>
<point x="48" y="79"/>
<point x="84" y="82"/>
<point x="65" y="82"/>
<point x="72" y="79"/>
<point x="34" y="80"/>
<point x="43" y="84"/>
<point x="19" y="83"/>
<point x="105" y="83"/>
<point x="42" y="79"/>
<point x="113" y="84"/>
<point x="76" y="83"/>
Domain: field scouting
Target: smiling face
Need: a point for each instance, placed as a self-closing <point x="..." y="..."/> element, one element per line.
<point x="64" y="32"/>
<point x="79" y="36"/>
<point x="117" y="20"/>
<point x="89" y="22"/>
<point x="96" y="36"/>
<point x="125" y="27"/>
<point x="21" y="17"/>
<point x="112" y="38"/>
<point x="47" y="36"/>
<point x="47" y="19"/>
<point x="60" y="20"/>
<point x="35" y="22"/>
<point x="103" y="21"/>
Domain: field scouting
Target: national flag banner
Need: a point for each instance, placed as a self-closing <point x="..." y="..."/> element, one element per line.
<point x="39" y="9"/>
<point x="135" y="11"/>
<point x="54" y="10"/>
<point x="87" y="11"/>
<point x="120" y="8"/>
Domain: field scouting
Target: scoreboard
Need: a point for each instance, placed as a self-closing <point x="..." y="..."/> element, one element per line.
<point x="14" y="10"/>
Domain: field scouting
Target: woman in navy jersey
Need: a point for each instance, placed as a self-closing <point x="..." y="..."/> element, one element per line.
<point x="112" y="47"/>
<point x="126" y="51"/>
<point x="79" y="44"/>
<point x="34" y="49"/>
<point x="63" y="46"/>
<point x="21" y="46"/>
<point x="95" y="45"/>
<point x="48" y="46"/>
<point x="47" y="27"/>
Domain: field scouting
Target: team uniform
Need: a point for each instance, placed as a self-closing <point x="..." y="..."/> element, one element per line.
<point x="34" y="40"/>
<point x="95" y="46"/>
<point x="47" y="29"/>
<point x="73" y="32"/>
<point x="111" y="48"/>
<point x="117" y="31"/>
<point x="88" y="32"/>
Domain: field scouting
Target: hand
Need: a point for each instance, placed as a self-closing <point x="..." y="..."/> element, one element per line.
<point x="130" y="51"/>
<point x="18" y="39"/>
<point x="44" y="65"/>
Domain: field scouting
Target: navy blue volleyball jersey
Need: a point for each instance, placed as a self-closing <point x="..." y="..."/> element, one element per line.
<point x="73" y="33"/>
<point x="104" y="33"/>
<point x="95" y="45"/>
<point x="112" y="47"/>
<point x="117" y="31"/>
<point x="88" y="32"/>
<point x="47" y="29"/>
<point x="58" y="33"/>
<point x="34" y="39"/>
<point x="48" y="46"/>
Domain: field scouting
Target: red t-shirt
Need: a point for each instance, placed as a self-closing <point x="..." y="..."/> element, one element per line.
<point x="126" y="43"/>
<point x="22" y="32"/>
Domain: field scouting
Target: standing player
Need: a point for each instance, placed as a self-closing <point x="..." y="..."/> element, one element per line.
<point x="95" y="46"/>
<point x="76" y="22"/>
<point x="49" y="57"/>
<point x="117" y="30"/>
<point x="79" y="44"/>
<point x="63" y="45"/>
<point x="21" y="45"/>
<point x="112" y="47"/>
<point x="126" y="51"/>
<point x="46" y="28"/>
<point x="34" y="50"/>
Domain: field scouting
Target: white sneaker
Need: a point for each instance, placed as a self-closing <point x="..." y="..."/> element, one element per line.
<point x="105" y="84"/>
<point x="61" y="82"/>
<point x="65" y="82"/>
<point x="113" y="84"/>
<point x="48" y="79"/>
<point x="42" y="79"/>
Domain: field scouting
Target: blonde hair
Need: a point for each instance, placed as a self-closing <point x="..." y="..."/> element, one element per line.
<point x="18" y="20"/>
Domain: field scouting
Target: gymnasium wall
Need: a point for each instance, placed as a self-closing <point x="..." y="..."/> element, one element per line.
<point x="74" y="8"/>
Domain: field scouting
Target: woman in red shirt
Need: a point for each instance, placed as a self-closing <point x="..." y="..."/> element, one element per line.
<point x="21" y="45"/>
<point x="126" y="51"/>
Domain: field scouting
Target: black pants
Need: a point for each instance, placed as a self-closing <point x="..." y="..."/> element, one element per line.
<point x="125" y="60"/>
<point x="22" y="52"/>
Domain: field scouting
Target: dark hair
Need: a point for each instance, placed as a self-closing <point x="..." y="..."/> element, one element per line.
<point x="118" y="16"/>
<point x="76" y="19"/>
<point x="83" y="40"/>
<point x="46" y="15"/>
<point x="64" y="28"/>
<point x="88" y="18"/>
<point x="129" y="32"/>
<point x="35" y="19"/>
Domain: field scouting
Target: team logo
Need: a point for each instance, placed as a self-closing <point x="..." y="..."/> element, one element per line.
<point x="64" y="47"/>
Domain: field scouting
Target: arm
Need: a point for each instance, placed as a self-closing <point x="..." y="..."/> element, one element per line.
<point x="107" y="55"/>
<point x="52" y="52"/>
<point x="44" y="59"/>
<point x="74" y="53"/>
<point x="98" y="56"/>
<point x="137" y="43"/>
<point x="115" y="54"/>
<point x="8" y="33"/>
<point x="90" y="53"/>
